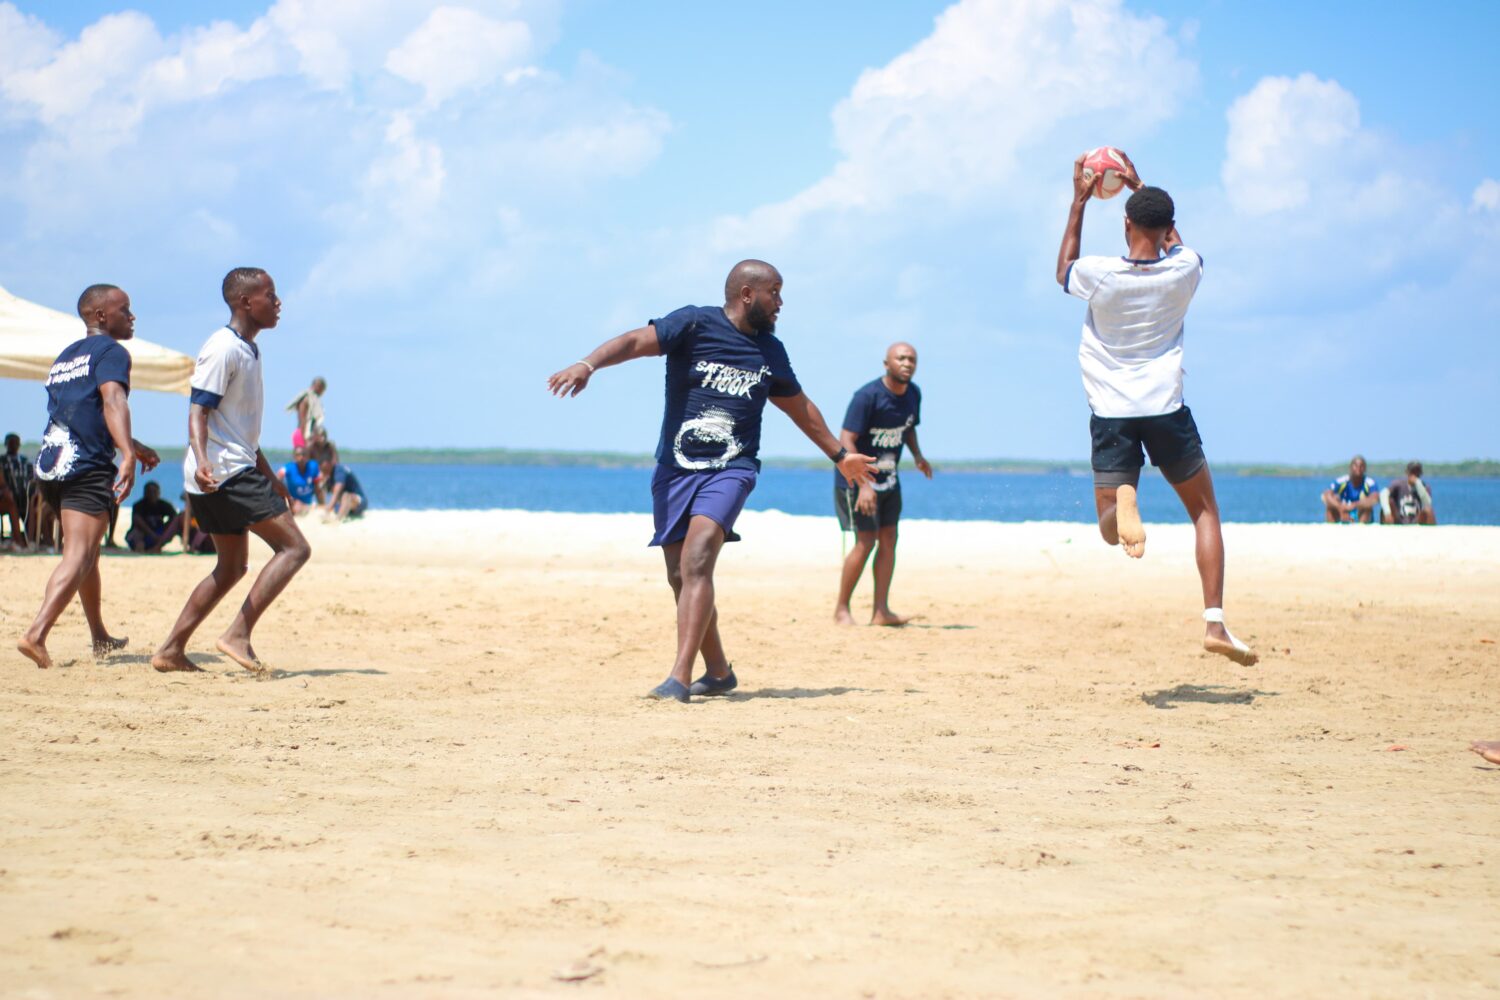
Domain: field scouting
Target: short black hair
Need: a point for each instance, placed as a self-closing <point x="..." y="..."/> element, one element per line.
<point x="1151" y="208"/>
<point x="239" y="281"/>
<point x="12" y="436"/>
<point x="90" y="298"/>
<point x="1414" y="469"/>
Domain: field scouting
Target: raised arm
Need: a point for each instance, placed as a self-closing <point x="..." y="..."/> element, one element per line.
<point x="857" y="469"/>
<point x="640" y="343"/>
<point x="117" y="419"/>
<point x="1072" y="239"/>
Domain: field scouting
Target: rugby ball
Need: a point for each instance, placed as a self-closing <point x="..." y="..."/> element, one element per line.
<point x="1105" y="169"/>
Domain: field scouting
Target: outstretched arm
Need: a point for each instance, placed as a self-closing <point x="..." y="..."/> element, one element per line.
<point x="1072" y="239"/>
<point x="572" y="380"/>
<point x="857" y="469"/>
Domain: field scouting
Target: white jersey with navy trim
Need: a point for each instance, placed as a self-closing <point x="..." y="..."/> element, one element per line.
<point x="1131" y="351"/>
<point x="227" y="381"/>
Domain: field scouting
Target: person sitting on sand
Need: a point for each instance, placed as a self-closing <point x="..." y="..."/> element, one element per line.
<point x="153" y="522"/>
<point x="301" y="476"/>
<point x="347" y="501"/>
<point x="1407" y="500"/>
<point x="88" y="425"/>
<point x="723" y="365"/>
<point x="322" y="450"/>
<point x="1131" y="356"/>
<point x="1351" y="497"/>
<point x="233" y="487"/>
<point x="881" y="419"/>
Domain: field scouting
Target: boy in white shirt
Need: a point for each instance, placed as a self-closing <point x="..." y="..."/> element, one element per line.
<point x="233" y="487"/>
<point x="1131" y="356"/>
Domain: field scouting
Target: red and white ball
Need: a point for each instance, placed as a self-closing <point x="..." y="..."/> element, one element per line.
<point x="1105" y="169"/>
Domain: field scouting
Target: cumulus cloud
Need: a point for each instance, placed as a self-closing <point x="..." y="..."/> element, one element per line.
<point x="953" y="117"/>
<point x="458" y="49"/>
<point x="1486" y="196"/>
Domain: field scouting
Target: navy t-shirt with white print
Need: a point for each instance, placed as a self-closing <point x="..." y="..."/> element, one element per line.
<point x="77" y="440"/>
<point x="880" y="419"/>
<point x="718" y="381"/>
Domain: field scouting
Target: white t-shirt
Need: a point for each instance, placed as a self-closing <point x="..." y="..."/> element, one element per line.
<point x="226" y="380"/>
<point x="1131" y="353"/>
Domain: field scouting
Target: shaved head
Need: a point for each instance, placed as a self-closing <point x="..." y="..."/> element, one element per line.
<point x="753" y="274"/>
<point x="92" y="298"/>
<point x="899" y="347"/>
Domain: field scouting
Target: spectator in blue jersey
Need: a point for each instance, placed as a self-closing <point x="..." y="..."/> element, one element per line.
<point x="723" y="364"/>
<point x="881" y="420"/>
<point x="1352" y="497"/>
<point x="88" y="426"/>
<point x="301" y="477"/>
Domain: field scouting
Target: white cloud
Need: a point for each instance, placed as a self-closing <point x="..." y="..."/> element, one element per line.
<point x="458" y="49"/>
<point x="25" y="42"/>
<point x="1486" y="196"/>
<point x="952" y="117"/>
<point x="93" y="69"/>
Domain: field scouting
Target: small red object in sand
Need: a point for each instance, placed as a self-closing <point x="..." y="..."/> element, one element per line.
<point x="1397" y="746"/>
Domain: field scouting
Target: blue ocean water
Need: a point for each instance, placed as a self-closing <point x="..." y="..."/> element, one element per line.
<point x="958" y="496"/>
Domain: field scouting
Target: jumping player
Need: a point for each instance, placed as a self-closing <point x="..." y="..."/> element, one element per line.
<point x="722" y="365"/>
<point x="232" y="486"/>
<point x="1131" y="355"/>
<point x="882" y="419"/>
<point x="77" y="467"/>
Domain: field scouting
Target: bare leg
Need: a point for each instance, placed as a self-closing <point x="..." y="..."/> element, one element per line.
<point x="291" y="553"/>
<point x="697" y="555"/>
<point x="1488" y="749"/>
<point x="232" y="551"/>
<point x="854" y="566"/>
<point x="90" y="595"/>
<point x="1197" y="494"/>
<point x="712" y="648"/>
<point x="885" y="569"/>
<point x="83" y="533"/>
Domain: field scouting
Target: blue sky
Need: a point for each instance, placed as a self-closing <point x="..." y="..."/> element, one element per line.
<point x="457" y="199"/>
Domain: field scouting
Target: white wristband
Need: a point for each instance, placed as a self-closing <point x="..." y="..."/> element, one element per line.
<point x="585" y="364"/>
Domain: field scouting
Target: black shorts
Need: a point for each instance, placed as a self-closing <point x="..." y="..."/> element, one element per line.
<point x="243" y="499"/>
<point x="1171" y="440"/>
<point x="887" y="509"/>
<point x="92" y="492"/>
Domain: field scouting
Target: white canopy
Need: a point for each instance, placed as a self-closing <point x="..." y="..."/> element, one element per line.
<point x="32" y="336"/>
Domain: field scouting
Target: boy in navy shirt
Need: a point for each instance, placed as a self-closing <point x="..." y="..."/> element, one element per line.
<point x="882" y="419"/>
<point x="79" y="475"/>
<point x="723" y="363"/>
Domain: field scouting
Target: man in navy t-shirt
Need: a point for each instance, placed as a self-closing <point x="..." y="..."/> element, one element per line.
<point x="88" y="420"/>
<point x="881" y="420"/>
<point x="723" y="363"/>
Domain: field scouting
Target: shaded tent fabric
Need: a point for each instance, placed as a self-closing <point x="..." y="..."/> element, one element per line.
<point x="32" y="336"/>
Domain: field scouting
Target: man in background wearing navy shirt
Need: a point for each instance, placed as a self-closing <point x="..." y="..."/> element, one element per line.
<point x="88" y="421"/>
<point x="723" y="363"/>
<point x="882" y="419"/>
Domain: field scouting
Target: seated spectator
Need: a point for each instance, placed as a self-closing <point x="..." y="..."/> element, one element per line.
<point x="18" y="482"/>
<point x="301" y="476"/>
<point x="347" y="501"/>
<point x="326" y="454"/>
<point x="195" y="540"/>
<point x="1352" y="497"/>
<point x="153" y="522"/>
<point x="1409" y="500"/>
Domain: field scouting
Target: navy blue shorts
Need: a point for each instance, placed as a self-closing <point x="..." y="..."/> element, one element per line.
<point x="1171" y="440"/>
<point x="678" y="495"/>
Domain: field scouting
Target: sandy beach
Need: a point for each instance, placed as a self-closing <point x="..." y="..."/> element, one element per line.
<point x="1045" y="788"/>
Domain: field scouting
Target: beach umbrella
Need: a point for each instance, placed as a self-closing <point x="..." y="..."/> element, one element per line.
<point x="32" y="336"/>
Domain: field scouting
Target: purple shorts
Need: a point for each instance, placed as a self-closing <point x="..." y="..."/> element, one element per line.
<point x="678" y="495"/>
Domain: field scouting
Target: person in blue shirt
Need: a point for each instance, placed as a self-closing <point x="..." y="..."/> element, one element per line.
<point x="881" y="420"/>
<point x="1351" y="497"/>
<point x="723" y="364"/>
<point x="301" y="477"/>
<point x="86" y="462"/>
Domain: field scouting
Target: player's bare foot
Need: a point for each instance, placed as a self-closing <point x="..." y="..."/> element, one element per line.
<point x="841" y="616"/>
<point x="1488" y="749"/>
<point x="242" y="654"/>
<point x="891" y="620"/>
<point x="35" y="651"/>
<point x="167" y="663"/>
<point x="109" y="644"/>
<point x="1217" y="640"/>
<point x="1128" y="522"/>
